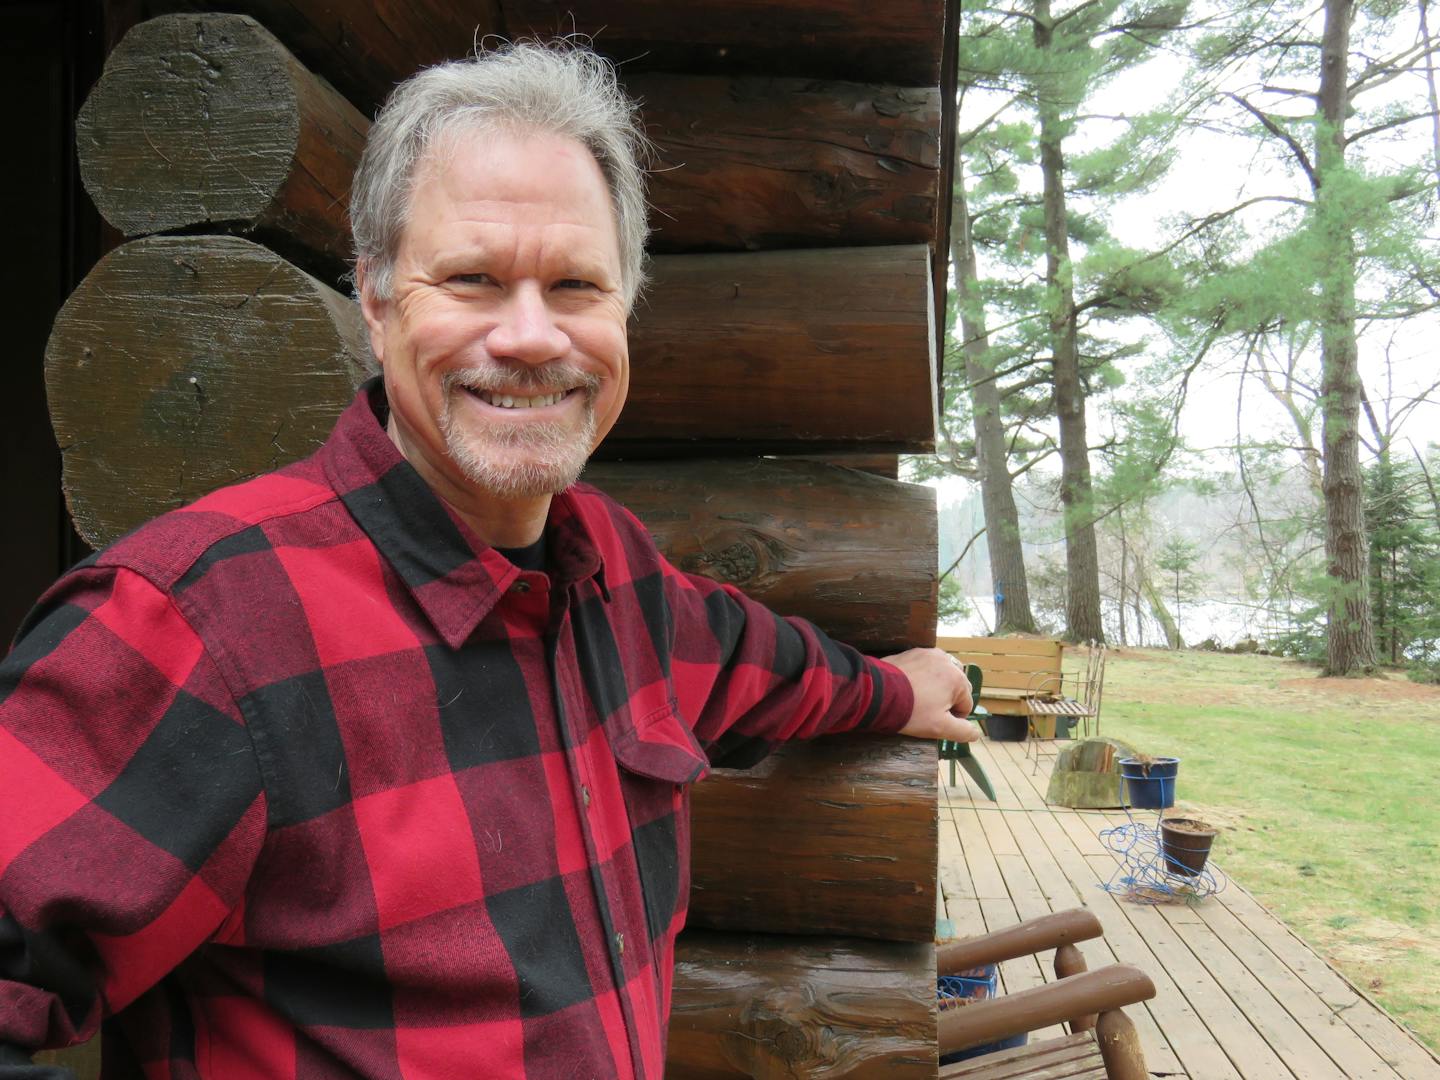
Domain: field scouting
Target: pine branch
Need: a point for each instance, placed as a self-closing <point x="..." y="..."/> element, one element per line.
<point x="1386" y="125"/>
<point x="1281" y="134"/>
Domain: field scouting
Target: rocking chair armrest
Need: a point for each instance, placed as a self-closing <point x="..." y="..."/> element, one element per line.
<point x="1022" y="939"/>
<point x="996" y="1018"/>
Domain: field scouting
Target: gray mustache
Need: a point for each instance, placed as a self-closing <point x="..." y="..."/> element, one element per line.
<point x="522" y="382"/>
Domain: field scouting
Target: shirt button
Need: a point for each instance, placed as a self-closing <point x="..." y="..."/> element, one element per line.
<point x="620" y="943"/>
<point x="521" y="586"/>
<point x="585" y="794"/>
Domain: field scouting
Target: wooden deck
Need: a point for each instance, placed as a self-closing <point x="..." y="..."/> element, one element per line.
<point x="1240" y="996"/>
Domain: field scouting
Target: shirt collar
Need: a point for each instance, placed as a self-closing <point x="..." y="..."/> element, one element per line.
<point x="454" y="576"/>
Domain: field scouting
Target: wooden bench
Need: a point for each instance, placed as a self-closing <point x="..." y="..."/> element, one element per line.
<point x="1023" y="677"/>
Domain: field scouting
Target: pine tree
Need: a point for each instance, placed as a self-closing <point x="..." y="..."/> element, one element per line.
<point x="1340" y="247"/>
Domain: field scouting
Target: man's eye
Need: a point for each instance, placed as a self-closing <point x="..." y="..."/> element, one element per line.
<point x="573" y="283"/>
<point x="473" y="279"/>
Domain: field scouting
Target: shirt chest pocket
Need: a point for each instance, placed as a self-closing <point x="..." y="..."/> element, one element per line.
<point x="659" y="758"/>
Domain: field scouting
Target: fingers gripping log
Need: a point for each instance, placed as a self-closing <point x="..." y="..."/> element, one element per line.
<point x="182" y="364"/>
<point x="209" y="121"/>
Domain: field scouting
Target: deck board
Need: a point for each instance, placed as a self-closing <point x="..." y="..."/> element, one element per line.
<point x="1240" y="996"/>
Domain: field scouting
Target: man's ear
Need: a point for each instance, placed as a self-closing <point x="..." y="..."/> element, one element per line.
<point x="373" y="310"/>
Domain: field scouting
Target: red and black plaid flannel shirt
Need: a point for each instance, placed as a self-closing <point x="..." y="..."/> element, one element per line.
<point x="305" y="781"/>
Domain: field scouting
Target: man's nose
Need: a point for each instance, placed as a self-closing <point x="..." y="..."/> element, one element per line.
<point x="526" y="330"/>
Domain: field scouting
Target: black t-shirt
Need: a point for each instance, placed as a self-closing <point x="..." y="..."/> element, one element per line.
<point x="530" y="557"/>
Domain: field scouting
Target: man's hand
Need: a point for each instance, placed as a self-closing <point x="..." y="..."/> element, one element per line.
<point x="942" y="696"/>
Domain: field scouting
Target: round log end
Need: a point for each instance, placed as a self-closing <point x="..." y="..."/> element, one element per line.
<point x="195" y="121"/>
<point x="182" y="364"/>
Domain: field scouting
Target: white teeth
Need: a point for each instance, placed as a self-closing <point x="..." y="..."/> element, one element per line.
<point x="509" y="401"/>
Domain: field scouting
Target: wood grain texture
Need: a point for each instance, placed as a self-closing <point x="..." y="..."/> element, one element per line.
<point x="364" y="49"/>
<point x="835" y="836"/>
<point x="184" y="363"/>
<point x="207" y="121"/>
<point x="759" y="163"/>
<point x="899" y="41"/>
<point x="831" y="349"/>
<point x="780" y="1008"/>
<point x="724" y="396"/>
<point x="854" y="553"/>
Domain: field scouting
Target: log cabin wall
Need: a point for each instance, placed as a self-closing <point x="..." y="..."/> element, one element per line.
<point x="800" y="214"/>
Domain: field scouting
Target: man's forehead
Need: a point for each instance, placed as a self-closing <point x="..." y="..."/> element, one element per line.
<point x="460" y="151"/>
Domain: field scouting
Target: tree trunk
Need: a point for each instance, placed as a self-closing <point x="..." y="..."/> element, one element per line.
<point x="1350" y="632"/>
<point x="1082" y="561"/>
<point x="1156" y="601"/>
<point x="1432" y="95"/>
<point x="1002" y="520"/>
<point x="1124" y="565"/>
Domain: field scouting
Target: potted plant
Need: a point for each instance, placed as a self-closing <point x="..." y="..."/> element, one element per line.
<point x="1185" y="842"/>
<point x="1150" y="780"/>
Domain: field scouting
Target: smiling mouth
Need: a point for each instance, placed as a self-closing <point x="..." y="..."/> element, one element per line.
<point x="516" y="401"/>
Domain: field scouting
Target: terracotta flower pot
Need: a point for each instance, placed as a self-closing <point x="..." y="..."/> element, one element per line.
<point x="1185" y="843"/>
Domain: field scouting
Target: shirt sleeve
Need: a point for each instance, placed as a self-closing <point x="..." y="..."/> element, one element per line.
<point x="747" y="678"/>
<point x="131" y="811"/>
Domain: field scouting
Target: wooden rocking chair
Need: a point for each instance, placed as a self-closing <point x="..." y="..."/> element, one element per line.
<point x="1102" y="1044"/>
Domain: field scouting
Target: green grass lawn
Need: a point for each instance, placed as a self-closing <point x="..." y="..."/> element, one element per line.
<point x="1328" y="792"/>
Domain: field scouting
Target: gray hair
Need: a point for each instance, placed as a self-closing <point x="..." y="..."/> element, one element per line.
<point x="559" y="88"/>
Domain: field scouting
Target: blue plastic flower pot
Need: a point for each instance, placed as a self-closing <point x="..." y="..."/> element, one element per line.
<point x="976" y="984"/>
<point x="1151" y="783"/>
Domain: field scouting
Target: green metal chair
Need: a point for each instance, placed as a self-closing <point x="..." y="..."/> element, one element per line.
<point x="954" y="752"/>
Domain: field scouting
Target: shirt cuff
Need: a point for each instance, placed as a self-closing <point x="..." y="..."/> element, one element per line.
<point x="892" y="698"/>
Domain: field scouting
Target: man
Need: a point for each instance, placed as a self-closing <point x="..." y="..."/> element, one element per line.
<point x="378" y="766"/>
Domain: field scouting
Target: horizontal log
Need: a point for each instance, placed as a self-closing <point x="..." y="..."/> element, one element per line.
<point x="887" y="465"/>
<point x="175" y="307"/>
<point x="852" y="552"/>
<point x="754" y="163"/>
<point x="837" y="836"/>
<point x="828" y="349"/>
<point x="790" y="1007"/>
<point x="365" y="49"/>
<point x="209" y="122"/>
<point x="182" y="364"/>
<point x="895" y="42"/>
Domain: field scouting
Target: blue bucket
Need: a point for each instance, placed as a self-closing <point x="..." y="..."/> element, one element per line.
<point x="1151" y="784"/>
<point x="976" y="984"/>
